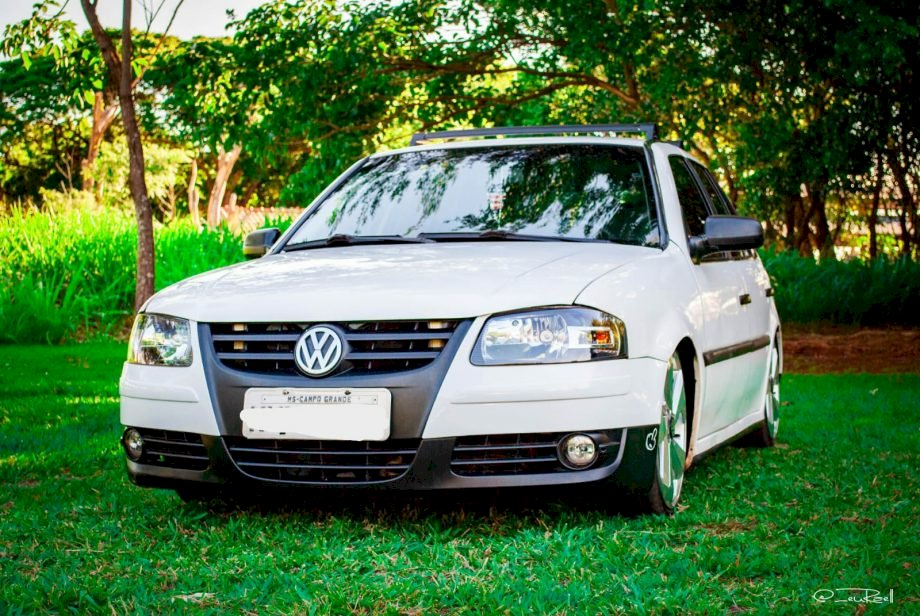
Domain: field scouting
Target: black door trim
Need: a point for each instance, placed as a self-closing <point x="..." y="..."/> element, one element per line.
<point x="735" y="350"/>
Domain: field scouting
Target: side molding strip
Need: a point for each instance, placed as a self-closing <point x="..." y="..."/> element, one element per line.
<point x="736" y="350"/>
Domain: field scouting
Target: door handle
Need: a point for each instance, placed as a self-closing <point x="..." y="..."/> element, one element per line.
<point x="745" y="299"/>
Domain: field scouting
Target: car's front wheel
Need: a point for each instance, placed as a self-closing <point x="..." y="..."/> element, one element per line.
<point x="672" y="437"/>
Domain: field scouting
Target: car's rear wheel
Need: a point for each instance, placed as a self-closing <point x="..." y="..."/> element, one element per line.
<point x="765" y="435"/>
<point x="671" y="449"/>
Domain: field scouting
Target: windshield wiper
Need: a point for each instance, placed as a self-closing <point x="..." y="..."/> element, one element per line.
<point x="341" y="239"/>
<point x="492" y="235"/>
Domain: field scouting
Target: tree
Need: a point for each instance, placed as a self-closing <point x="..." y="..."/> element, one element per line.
<point x="119" y="67"/>
<point x="47" y="95"/>
<point x="775" y="96"/>
<point x="46" y="35"/>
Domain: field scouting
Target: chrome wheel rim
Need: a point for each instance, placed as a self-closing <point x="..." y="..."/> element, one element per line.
<point x="772" y="403"/>
<point x="672" y="435"/>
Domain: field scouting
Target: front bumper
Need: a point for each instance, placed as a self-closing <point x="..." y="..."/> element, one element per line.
<point x="436" y="409"/>
<point x="439" y="463"/>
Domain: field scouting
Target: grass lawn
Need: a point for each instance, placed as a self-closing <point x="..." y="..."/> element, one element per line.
<point x="834" y="505"/>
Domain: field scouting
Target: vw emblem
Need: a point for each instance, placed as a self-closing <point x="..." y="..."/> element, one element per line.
<point x="319" y="351"/>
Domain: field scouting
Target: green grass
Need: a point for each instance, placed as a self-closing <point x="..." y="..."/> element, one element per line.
<point x="834" y="505"/>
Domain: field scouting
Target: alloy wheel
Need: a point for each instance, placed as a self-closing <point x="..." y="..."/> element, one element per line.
<point x="772" y="402"/>
<point x="672" y="435"/>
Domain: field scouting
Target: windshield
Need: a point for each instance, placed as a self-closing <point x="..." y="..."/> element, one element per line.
<point x="571" y="191"/>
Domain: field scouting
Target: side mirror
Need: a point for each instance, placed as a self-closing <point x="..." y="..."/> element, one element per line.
<point x="258" y="243"/>
<point x="727" y="233"/>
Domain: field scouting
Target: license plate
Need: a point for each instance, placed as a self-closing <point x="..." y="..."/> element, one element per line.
<point x="361" y="414"/>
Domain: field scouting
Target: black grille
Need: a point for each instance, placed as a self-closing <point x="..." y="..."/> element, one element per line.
<point x="373" y="347"/>
<point x="173" y="449"/>
<point x="515" y="454"/>
<point x="323" y="461"/>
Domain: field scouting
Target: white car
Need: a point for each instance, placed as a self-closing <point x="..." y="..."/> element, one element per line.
<point x="501" y="307"/>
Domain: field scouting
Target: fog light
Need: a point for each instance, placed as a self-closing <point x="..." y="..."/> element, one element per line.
<point x="134" y="444"/>
<point x="578" y="451"/>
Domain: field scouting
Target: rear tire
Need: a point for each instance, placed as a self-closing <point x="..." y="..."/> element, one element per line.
<point x="765" y="435"/>
<point x="671" y="449"/>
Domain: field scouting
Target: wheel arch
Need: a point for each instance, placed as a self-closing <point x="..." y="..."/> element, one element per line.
<point x="690" y="358"/>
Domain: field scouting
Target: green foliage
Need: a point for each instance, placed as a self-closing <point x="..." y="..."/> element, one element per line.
<point x="759" y="532"/>
<point x="164" y="169"/>
<point x="880" y="292"/>
<point x="44" y="112"/>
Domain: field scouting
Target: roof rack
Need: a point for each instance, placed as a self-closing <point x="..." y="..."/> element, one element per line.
<point x="650" y="131"/>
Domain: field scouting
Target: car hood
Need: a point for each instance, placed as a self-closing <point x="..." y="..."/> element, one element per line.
<point x="405" y="281"/>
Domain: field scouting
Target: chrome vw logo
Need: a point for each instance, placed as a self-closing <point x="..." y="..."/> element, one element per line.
<point x="319" y="351"/>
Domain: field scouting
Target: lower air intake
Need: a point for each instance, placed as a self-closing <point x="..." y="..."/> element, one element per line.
<point x="323" y="462"/>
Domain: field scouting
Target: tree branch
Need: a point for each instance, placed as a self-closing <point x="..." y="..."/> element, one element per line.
<point x="159" y="44"/>
<point x="109" y="54"/>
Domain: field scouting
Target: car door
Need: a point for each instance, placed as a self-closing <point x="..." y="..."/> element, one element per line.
<point x="756" y="310"/>
<point x="721" y="280"/>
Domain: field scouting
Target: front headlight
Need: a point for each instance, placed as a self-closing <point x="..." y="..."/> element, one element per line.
<point x="158" y="340"/>
<point x="550" y="336"/>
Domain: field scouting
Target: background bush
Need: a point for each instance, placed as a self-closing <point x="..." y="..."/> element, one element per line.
<point x="71" y="273"/>
<point x="881" y="292"/>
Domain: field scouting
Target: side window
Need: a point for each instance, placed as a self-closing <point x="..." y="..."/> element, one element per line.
<point x="711" y="186"/>
<point x="692" y="202"/>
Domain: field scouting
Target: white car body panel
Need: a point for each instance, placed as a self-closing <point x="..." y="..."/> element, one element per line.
<point x="411" y="281"/>
<point x="545" y="398"/>
<point x="713" y="440"/>
<point x="167" y="397"/>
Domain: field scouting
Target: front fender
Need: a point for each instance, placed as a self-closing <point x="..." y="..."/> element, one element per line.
<point x="658" y="300"/>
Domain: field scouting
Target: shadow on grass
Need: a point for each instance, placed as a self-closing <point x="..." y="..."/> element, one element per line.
<point x="543" y="503"/>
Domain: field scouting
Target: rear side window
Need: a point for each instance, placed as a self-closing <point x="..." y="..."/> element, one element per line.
<point x="692" y="202"/>
<point x="718" y="199"/>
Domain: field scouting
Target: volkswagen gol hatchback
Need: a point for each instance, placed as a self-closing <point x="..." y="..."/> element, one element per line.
<point x="539" y="310"/>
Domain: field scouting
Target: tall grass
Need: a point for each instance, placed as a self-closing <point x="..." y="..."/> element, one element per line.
<point x="72" y="274"/>
<point x="880" y="292"/>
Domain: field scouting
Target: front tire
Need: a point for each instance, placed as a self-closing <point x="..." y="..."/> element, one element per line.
<point x="671" y="450"/>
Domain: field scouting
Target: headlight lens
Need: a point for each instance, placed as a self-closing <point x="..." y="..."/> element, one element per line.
<point x="550" y="336"/>
<point x="158" y="340"/>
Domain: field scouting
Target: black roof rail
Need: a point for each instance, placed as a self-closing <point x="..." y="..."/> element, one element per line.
<point x="650" y="131"/>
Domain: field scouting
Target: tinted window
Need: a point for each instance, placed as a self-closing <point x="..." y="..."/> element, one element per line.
<point x="692" y="202"/>
<point x="716" y="197"/>
<point x="579" y="191"/>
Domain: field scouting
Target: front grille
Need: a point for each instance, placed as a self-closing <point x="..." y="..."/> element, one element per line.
<point x="515" y="454"/>
<point x="373" y="347"/>
<point x="173" y="449"/>
<point x="323" y="461"/>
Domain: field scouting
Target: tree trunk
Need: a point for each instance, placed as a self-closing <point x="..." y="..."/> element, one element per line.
<point x="120" y="72"/>
<point x="824" y="241"/>
<point x="791" y="206"/>
<point x="193" y="195"/>
<point x="225" y="162"/>
<point x="873" y="213"/>
<point x="104" y="113"/>
<point x="906" y="201"/>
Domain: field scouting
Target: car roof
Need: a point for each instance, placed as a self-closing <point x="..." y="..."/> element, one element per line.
<point x="515" y="141"/>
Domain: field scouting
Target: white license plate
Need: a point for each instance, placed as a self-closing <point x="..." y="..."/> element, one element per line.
<point x="345" y="414"/>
